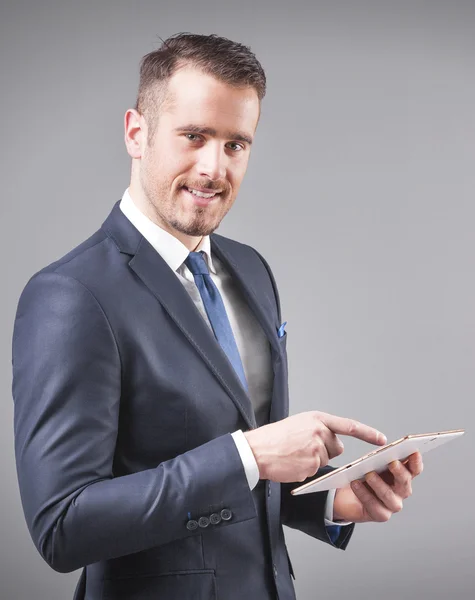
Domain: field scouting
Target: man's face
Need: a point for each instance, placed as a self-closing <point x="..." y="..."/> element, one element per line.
<point x="201" y="143"/>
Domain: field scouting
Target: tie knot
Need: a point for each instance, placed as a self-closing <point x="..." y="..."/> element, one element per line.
<point x="196" y="263"/>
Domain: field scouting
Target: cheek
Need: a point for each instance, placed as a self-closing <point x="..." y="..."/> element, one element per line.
<point x="166" y="161"/>
<point x="177" y="155"/>
<point x="179" y="169"/>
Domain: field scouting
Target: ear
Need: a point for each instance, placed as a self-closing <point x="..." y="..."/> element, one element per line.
<point x="135" y="133"/>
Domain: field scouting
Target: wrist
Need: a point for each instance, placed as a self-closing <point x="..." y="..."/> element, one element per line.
<point x="336" y="513"/>
<point x="341" y="514"/>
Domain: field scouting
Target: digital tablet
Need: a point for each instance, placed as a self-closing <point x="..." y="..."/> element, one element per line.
<point x="377" y="460"/>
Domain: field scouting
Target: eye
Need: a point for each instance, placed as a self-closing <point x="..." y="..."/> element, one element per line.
<point x="237" y="147"/>
<point x="193" y="137"/>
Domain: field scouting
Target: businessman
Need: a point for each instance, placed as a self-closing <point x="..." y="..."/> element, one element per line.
<point x="153" y="444"/>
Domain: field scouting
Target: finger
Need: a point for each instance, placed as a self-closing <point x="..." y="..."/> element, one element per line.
<point x="332" y="443"/>
<point x="321" y="453"/>
<point x="316" y="460"/>
<point x="343" y="426"/>
<point x="415" y="464"/>
<point x="402" y="479"/>
<point x="371" y="505"/>
<point x="384" y="492"/>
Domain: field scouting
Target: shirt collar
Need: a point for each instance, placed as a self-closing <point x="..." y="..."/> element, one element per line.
<point x="173" y="252"/>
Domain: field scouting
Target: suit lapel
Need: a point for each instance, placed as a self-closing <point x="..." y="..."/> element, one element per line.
<point x="166" y="287"/>
<point x="248" y="282"/>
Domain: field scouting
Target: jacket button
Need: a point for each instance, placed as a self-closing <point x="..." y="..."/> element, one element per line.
<point x="192" y="525"/>
<point x="215" y="518"/>
<point x="203" y="522"/>
<point x="275" y="571"/>
<point x="226" y="514"/>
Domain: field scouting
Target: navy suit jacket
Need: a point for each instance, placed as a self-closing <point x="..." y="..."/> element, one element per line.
<point x="124" y="407"/>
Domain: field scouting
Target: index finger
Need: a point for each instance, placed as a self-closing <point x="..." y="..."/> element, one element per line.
<point x="344" y="426"/>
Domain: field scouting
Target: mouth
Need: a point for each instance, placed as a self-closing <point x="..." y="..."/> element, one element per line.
<point x="202" y="197"/>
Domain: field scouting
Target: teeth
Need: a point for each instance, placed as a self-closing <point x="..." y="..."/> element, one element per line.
<point x="201" y="194"/>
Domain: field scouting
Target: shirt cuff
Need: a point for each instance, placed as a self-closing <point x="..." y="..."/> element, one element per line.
<point x="329" y="510"/>
<point x="248" y="461"/>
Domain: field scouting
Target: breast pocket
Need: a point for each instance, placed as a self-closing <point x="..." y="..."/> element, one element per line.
<point x="283" y="342"/>
<point x="192" y="585"/>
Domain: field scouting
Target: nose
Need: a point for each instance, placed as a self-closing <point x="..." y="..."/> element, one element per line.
<point x="212" y="161"/>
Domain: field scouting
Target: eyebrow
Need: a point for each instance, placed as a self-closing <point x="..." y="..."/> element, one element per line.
<point x="240" y="137"/>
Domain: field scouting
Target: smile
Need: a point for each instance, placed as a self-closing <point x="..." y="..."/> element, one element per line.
<point x="201" y="198"/>
<point x="201" y="194"/>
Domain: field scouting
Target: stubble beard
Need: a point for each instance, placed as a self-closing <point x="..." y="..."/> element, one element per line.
<point x="198" y="227"/>
<point x="164" y="207"/>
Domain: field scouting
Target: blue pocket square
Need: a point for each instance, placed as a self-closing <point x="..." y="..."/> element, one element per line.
<point x="281" y="330"/>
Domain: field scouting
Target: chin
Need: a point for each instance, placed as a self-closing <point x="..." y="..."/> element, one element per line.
<point x="195" y="229"/>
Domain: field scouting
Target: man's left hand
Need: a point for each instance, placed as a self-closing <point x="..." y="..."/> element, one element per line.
<point x="378" y="497"/>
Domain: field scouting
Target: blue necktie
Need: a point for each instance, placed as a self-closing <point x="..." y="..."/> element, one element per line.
<point x="216" y="311"/>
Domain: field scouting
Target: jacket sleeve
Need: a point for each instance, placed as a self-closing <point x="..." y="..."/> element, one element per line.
<point x="66" y="390"/>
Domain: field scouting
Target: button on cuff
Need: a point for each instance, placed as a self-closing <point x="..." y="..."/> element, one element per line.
<point x="215" y="518"/>
<point x="203" y="522"/>
<point x="226" y="514"/>
<point x="192" y="525"/>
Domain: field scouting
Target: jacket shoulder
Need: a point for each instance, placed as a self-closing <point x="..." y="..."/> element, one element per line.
<point x="80" y="252"/>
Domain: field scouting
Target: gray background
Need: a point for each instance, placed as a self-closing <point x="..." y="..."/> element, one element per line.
<point x="359" y="193"/>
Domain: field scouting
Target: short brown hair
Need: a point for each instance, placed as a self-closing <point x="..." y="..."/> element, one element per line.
<point x="227" y="61"/>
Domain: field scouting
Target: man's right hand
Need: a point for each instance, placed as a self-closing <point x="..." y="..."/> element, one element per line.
<point x="296" y="447"/>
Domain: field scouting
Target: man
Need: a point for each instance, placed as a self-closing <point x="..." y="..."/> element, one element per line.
<point x="152" y="437"/>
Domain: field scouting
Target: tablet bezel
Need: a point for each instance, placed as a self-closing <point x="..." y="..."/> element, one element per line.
<point x="298" y="490"/>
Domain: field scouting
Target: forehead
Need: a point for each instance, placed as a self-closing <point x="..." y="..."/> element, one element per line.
<point x="198" y="98"/>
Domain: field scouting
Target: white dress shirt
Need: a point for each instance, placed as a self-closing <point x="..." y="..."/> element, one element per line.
<point x="250" y="339"/>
